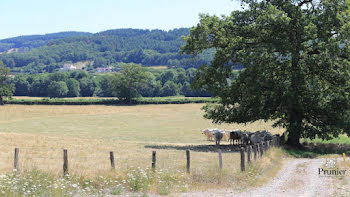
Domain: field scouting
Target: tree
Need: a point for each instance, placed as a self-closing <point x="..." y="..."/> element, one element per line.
<point x="168" y="75"/>
<point x="148" y="88"/>
<point x="6" y="88"/>
<point x="296" y="60"/>
<point x="39" y="85"/>
<point x="186" y="89"/>
<point x="87" y="86"/>
<point x="181" y="76"/>
<point x="58" y="76"/>
<point x="73" y="87"/>
<point x="21" y="86"/>
<point x="170" y="89"/>
<point x="57" y="89"/>
<point x="103" y="85"/>
<point x="126" y="83"/>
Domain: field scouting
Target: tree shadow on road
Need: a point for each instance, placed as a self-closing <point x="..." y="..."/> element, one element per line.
<point x="312" y="150"/>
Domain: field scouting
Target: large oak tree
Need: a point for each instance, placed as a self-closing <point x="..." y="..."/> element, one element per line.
<point x="296" y="65"/>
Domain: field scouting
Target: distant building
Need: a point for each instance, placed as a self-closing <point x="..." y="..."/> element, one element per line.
<point x="104" y="69"/>
<point x="67" y="67"/>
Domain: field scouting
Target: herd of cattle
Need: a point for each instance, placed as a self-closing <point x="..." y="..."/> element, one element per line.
<point x="238" y="136"/>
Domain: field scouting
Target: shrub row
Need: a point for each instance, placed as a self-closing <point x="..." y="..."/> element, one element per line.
<point x="112" y="101"/>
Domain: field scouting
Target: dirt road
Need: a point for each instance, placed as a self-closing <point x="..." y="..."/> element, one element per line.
<point x="298" y="177"/>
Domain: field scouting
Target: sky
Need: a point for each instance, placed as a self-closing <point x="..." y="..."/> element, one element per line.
<point x="28" y="17"/>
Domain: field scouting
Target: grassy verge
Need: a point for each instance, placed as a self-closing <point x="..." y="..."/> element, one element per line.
<point x="342" y="183"/>
<point x="139" y="181"/>
<point x="260" y="172"/>
<point x="312" y="150"/>
<point x="318" y="147"/>
<point x="257" y="173"/>
<point x="136" y="181"/>
<point x="107" y="101"/>
<point x="341" y="139"/>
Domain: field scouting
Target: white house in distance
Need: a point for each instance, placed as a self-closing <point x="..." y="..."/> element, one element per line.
<point x="67" y="67"/>
<point x="103" y="69"/>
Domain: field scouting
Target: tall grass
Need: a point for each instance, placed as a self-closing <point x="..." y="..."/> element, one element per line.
<point x="138" y="180"/>
<point x="341" y="139"/>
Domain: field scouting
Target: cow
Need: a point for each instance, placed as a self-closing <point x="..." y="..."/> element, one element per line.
<point x="256" y="138"/>
<point x="218" y="136"/>
<point x="235" y="135"/>
<point x="209" y="133"/>
<point x="226" y="135"/>
<point x="245" y="137"/>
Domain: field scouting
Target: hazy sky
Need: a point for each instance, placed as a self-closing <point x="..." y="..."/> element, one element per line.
<point x="26" y="17"/>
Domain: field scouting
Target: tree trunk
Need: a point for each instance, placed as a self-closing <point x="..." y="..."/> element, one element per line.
<point x="128" y="100"/>
<point x="1" y="101"/>
<point x="293" y="139"/>
<point x="294" y="130"/>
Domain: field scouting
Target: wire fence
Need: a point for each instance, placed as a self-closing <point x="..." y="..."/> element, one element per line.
<point x="189" y="159"/>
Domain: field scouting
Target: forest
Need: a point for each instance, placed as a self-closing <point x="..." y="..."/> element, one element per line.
<point x="25" y="43"/>
<point x="78" y="83"/>
<point x="48" y="53"/>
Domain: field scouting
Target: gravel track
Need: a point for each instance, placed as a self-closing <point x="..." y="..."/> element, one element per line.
<point x="298" y="177"/>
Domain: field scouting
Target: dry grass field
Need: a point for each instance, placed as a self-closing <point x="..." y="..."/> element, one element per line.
<point x="90" y="132"/>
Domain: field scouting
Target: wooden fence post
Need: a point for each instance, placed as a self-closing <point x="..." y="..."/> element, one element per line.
<point x="255" y="150"/>
<point x="220" y="159"/>
<point x="65" y="162"/>
<point x="242" y="160"/>
<point x="111" y="156"/>
<point x="249" y="150"/>
<point x="15" y="165"/>
<point x="188" y="160"/>
<point x="154" y="160"/>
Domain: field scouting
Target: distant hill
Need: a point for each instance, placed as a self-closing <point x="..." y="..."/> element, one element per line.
<point x="107" y="48"/>
<point x="25" y="43"/>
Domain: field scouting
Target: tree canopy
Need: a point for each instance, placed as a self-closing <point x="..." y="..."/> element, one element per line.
<point x="126" y="83"/>
<point x="6" y="88"/>
<point x="296" y="65"/>
<point x="49" y="53"/>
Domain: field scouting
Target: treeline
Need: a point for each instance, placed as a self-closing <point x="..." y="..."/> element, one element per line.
<point x="109" y="101"/>
<point x="25" y="43"/>
<point x="78" y="83"/>
<point x="109" y="48"/>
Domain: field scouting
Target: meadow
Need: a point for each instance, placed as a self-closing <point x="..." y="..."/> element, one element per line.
<point x="90" y="132"/>
<point x="41" y="132"/>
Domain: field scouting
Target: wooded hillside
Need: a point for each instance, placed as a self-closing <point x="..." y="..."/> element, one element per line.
<point x="108" y="48"/>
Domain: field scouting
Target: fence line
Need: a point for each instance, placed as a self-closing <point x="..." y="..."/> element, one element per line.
<point x="252" y="151"/>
